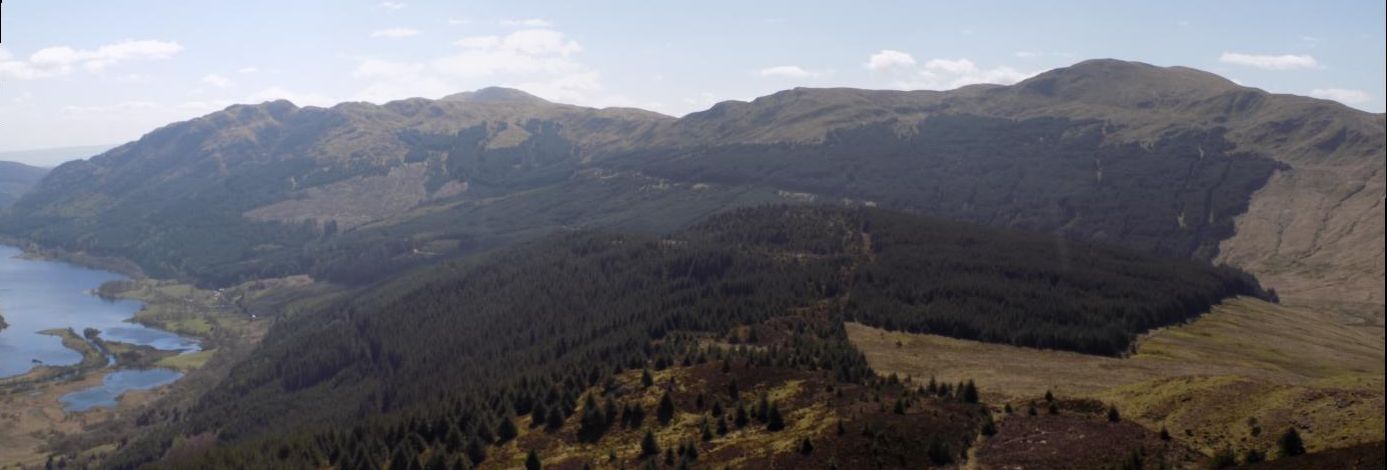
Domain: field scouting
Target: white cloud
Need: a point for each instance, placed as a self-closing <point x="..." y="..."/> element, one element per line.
<point x="392" y="5"/>
<point x="539" y="61"/>
<point x="61" y="60"/>
<point x="217" y="80"/>
<point x="528" y="23"/>
<point x="1270" y="62"/>
<point x="478" y="42"/>
<point x="887" y="58"/>
<point x="1342" y="95"/>
<point x="247" y="70"/>
<point x="1026" y="54"/>
<point x="394" y="33"/>
<point x="956" y="66"/>
<point x="522" y="52"/>
<point x="527" y="41"/>
<point x="459" y="21"/>
<point x="946" y="74"/>
<point x="787" y="71"/>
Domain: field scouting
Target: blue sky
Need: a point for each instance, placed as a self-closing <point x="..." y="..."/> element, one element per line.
<point x="88" y="72"/>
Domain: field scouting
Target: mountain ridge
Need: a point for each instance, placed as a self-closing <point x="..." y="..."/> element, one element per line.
<point x="410" y="155"/>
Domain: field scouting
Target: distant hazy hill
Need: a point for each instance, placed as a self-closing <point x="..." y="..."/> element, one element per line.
<point x="16" y="179"/>
<point x="1166" y="160"/>
<point x="51" y="157"/>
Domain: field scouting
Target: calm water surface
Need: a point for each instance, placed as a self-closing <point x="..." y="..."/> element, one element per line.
<point x="39" y="295"/>
<point x="115" y="384"/>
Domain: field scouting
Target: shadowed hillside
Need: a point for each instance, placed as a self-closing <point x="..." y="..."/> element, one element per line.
<point x="1167" y="160"/>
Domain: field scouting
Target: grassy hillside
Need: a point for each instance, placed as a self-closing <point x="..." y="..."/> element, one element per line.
<point x="1231" y="379"/>
<point x="544" y="326"/>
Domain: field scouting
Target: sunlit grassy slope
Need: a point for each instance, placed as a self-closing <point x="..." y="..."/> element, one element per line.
<point x="1236" y="377"/>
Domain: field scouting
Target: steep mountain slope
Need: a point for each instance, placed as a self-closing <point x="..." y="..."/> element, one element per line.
<point x="16" y="179"/>
<point x="1168" y="160"/>
<point x="1314" y="230"/>
<point x="235" y="194"/>
<point x="534" y="327"/>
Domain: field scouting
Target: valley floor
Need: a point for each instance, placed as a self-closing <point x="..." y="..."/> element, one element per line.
<point x="1235" y="378"/>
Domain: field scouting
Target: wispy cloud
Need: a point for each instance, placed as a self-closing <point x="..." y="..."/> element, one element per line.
<point x="1342" y="95"/>
<point x="217" y="81"/>
<point x="945" y="74"/>
<point x="392" y="5"/>
<point x="394" y="33"/>
<point x="888" y="58"/>
<point x="527" y="22"/>
<point x="787" y="71"/>
<point x="61" y="60"/>
<point x="1270" y="62"/>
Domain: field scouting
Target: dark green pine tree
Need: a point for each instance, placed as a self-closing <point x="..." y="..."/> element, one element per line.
<point x="649" y="446"/>
<point x="646" y="379"/>
<point x="970" y="392"/>
<point x="1291" y="443"/>
<point x="666" y="410"/>
<point x="476" y="451"/>
<point x="1113" y="415"/>
<point x="538" y="414"/>
<point x="806" y="447"/>
<point x="555" y="419"/>
<point x="742" y="418"/>
<point x="506" y="430"/>
<point x="763" y="408"/>
<point x="774" y="421"/>
<point x="453" y="439"/>
<point x="532" y="461"/>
